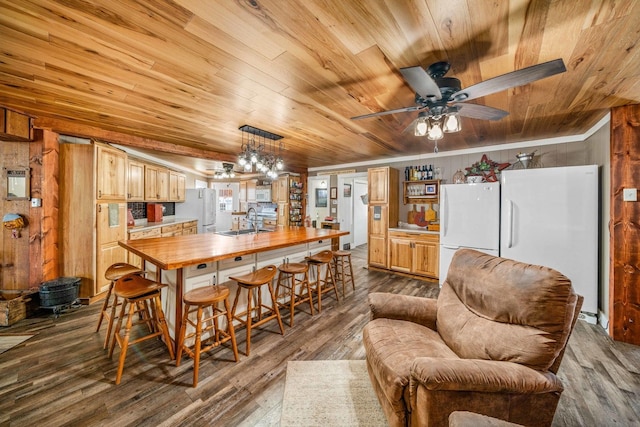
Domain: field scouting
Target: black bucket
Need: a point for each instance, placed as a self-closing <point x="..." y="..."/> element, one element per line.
<point x="61" y="291"/>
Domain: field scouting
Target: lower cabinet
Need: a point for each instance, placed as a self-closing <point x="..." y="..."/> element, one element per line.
<point x="414" y="253"/>
<point x="134" y="259"/>
<point x="179" y="229"/>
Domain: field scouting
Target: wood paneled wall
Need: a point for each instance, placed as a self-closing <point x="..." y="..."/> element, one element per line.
<point x="33" y="258"/>
<point x="624" y="226"/>
<point x="15" y="256"/>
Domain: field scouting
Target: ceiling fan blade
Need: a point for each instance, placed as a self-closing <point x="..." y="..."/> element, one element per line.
<point x="509" y="80"/>
<point x="411" y="126"/>
<point x="483" y="112"/>
<point x="421" y="82"/>
<point x="384" y="113"/>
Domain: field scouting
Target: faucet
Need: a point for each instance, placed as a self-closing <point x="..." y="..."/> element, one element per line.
<point x="255" y="216"/>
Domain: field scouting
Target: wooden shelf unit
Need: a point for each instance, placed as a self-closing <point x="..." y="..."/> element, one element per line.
<point x="426" y="191"/>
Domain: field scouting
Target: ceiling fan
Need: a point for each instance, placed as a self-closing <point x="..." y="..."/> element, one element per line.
<point x="441" y="100"/>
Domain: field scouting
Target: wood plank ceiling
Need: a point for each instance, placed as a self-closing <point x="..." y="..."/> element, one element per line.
<point x="188" y="73"/>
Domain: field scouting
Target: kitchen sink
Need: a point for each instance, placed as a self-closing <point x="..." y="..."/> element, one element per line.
<point x="241" y="232"/>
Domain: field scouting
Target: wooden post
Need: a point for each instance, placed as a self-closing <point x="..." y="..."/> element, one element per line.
<point x="624" y="231"/>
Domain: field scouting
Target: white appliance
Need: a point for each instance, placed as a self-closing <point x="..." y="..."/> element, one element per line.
<point x="550" y="217"/>
<point x="263" y="194"/>
<point x="199" y="203"/>
<point x="546" y="216"/>
<point x="469" y="218"/>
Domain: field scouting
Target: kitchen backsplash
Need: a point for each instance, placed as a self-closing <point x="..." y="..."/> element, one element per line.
<point x="139" y="209"/>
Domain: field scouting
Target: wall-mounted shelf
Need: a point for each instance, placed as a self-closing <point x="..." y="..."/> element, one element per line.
<point x="427" y="191"/>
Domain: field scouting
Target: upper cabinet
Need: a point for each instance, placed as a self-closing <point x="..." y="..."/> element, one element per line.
<point x="111" y="173"/>
<point x="251" y="191"/>
<point x="177" y="186"/>
<point x="135" y="183"/>
<point x="280" y="190"/>
<point x="156" y="183"/>
<point x="147" y="182"/>
<point x="379" y="185"/>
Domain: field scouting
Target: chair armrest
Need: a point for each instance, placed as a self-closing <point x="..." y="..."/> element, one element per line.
<point x="403" y="307"/>
<point x="480" y="375"/>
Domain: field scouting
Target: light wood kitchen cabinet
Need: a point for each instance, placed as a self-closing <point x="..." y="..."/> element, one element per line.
<point x="251" y="191"/>
<point x="111" y="227"/>
<point x="383" y="213"/>
<point x="242" y="196"/>
<point x="414" y="253"/>
<point x="171" y="230"/>
<point x="177" y="186"/>
<point x="280" y="190"/>
<point x="156" y="183"/>
<point x="92" y="227"/>
<point x="379" y="185"/>
<point x="111" y="173"/>
<point x="135" y="181"/>
<point x="283" y="214"/>
<point x="142" y="234"/>
<point x="190" y="227"/>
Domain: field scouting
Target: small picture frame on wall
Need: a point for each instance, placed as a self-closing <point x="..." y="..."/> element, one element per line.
<point x="347" y="190"/>
<point x="334" y="193"/>
<point x="321" y="197"/>
<point x="431" y="189"/>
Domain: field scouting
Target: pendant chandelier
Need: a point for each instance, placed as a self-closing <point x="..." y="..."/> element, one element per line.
<point x="259" y="151"/>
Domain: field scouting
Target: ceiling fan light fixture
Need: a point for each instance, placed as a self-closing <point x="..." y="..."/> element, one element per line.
<point x="452" y="123"/>
<point x="421" y="126"/>
<point x="435" y="130"/>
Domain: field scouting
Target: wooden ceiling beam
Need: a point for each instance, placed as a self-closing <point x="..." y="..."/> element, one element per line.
<point x="84" y="131"/>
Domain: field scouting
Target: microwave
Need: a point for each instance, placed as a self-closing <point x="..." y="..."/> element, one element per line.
<point x="263" y="194"/>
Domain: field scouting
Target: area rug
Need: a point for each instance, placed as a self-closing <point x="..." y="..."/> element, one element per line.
<point x="330" y="393"/>
<point x="9" y="341"/>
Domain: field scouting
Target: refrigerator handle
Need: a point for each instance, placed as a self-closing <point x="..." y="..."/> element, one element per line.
<point x="444" y="211"/>
<point x="510" y="224"/>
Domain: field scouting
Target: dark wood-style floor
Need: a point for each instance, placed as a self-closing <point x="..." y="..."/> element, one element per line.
<point x="62" y="376"/>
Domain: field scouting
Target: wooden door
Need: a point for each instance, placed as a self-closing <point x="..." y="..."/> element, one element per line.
<point x="111" y="178"/>
<point x="378" y="251"/>
<point x="283" y="214"/>
<point x="135" y="181"/>
<point x="400" y="254"/>
<point x="176" y="186"/>
<point x="378" y="185"/>
<point x="111" y="226"/>
<point x="151" y="183"/>
<point x="425" y="258"/>
<point x="251" y="191"/>
<point x="163" y="184"/>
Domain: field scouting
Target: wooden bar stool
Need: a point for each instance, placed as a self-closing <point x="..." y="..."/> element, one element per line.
<point x="318" y="261"/>
<point x="288" y="281"/>
<point x="198" y="301"/>
<point x="138" y="293"/>
<point x="343" y="269"/>
<point x="113" y="273"/>
<point x="251" y="281"/>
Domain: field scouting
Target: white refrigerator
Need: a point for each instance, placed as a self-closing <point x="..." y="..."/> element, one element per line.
<point x="469" y="218"/>
<point x="549" y="217"/>
<point x="199" y="203"/>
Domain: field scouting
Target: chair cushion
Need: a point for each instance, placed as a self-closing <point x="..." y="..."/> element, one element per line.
<point x="392" y="346"/>
<point x="498" y="309"/>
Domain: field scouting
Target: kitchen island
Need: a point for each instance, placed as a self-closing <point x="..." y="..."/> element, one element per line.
<point x="172" y="255"/>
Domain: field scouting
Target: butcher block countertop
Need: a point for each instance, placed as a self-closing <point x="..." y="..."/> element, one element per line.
<point x="169" y="253"/>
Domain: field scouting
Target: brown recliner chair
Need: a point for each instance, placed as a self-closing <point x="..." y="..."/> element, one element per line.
<point x="491" y="344"/>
